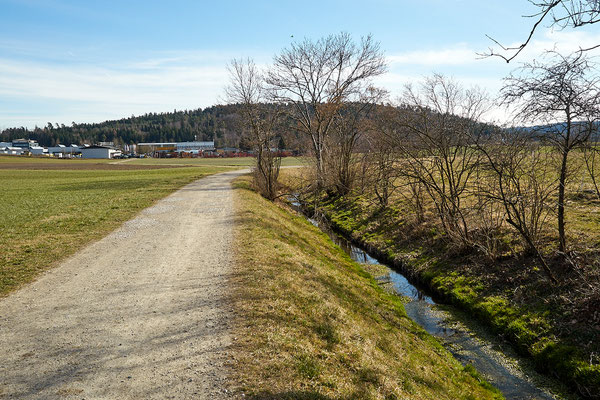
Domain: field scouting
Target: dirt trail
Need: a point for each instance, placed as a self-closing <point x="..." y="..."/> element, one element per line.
<point x="139" y="314"/>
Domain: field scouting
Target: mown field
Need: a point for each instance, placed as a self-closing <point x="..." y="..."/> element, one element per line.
<point x="51" y="208"/>
<point x="312" y="324"/>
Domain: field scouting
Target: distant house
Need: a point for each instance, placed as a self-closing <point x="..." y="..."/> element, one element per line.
<point x="97" y="151"/>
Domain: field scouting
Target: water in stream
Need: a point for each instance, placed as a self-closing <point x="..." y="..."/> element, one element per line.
<point x="500" y="370"/>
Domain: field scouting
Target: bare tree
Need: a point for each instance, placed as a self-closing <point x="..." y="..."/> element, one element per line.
<point x="382" y="153"/>
<point x="557" y="13"/>
<point x="563" y="99"/>
<point x="441" y="128"/>
<point x="318" y="78"/>
<point x="348" y="128"/>
<point x="260" y="118"/>
<point x="521" y="181"/>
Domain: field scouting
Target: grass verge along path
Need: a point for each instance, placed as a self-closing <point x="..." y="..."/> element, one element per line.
<point x="312" y="324"/>
<point x="47" y="215"/>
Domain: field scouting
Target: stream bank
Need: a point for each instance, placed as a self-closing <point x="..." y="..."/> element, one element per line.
<point x="492" y="358"/>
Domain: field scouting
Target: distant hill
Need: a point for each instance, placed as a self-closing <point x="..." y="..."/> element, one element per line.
<point x="220" y="123"/>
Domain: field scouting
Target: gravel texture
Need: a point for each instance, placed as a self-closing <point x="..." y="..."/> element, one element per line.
<point x="142" y="313"/>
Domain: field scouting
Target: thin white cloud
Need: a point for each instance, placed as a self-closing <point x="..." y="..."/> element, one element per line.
<point x="92" y="91"/>
<point x="116" y="90"/>
<point x="78" y="90"/>
<point x="461" y="54"/>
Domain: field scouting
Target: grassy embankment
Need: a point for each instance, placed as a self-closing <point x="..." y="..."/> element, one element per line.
<point x="312" y="324"/>
<point x="49" y="214"/>
<point x="552" y="324"/>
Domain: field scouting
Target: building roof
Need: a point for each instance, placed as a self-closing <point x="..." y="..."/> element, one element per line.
<point x="208" y="143"/>
<point x="97" y="146"/>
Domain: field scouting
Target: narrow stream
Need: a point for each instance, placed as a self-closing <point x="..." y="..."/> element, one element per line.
<point x="500" y="370"/>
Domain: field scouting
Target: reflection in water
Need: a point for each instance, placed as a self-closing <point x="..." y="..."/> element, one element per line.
<point x="463" y="345"/>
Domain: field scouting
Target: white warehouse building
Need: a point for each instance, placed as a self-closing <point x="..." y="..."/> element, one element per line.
<point x="96" y="151"/>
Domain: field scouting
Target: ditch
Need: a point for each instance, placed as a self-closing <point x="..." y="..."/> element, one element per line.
<point x="466" y="339"/>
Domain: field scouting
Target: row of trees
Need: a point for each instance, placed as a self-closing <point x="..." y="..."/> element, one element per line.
<point x="478" y="180"/>
<point x="481" y="178"/>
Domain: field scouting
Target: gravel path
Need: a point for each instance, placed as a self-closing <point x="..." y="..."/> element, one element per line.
<point x="139" y="314"/>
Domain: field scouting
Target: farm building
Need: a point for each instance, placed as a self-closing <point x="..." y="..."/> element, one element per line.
<point x="199" y="146"/>
<point x="176" y="146"/>
<point x="97" y="151"/>
<point x="61" y="150"/>
<point x="13" y="151"/>
<point x="24" y="143"/>
<point x="38" y="151"/>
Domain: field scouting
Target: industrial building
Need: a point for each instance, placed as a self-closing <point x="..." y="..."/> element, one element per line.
<point x="97" y="151"/>
<point x="13" y="151"/>
<point x="63" y="151"/>
<point x="24" y="143"/>
<point x="107" y="150"/>
<point x="176" y="147"/>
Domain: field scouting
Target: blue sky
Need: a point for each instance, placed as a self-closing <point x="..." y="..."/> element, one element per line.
<point x="87" y="61"/>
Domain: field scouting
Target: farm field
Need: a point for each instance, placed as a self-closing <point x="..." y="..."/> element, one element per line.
<point x="52" y="210"/>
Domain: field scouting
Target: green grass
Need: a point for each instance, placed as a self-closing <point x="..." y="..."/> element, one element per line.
<point x="49" y="215"/>
<point x="312" y="324"/>
<point x="203" y="162"/>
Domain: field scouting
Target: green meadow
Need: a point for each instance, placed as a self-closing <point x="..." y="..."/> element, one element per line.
<point x="47" y="215"/>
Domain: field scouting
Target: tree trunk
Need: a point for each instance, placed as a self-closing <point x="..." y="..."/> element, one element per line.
<point x="562" y="241"/>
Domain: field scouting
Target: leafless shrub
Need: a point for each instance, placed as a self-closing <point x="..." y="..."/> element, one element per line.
<point x="440" y="131"/>
<point x="247" y="88"/>
<point x="381" y="153"/>
<point x="563" y="98"/>
<point x="348" y="129"/>
<point x="523" y="183"/>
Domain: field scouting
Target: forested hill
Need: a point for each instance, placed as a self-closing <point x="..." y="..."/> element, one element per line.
<point x="219" y="123"/>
